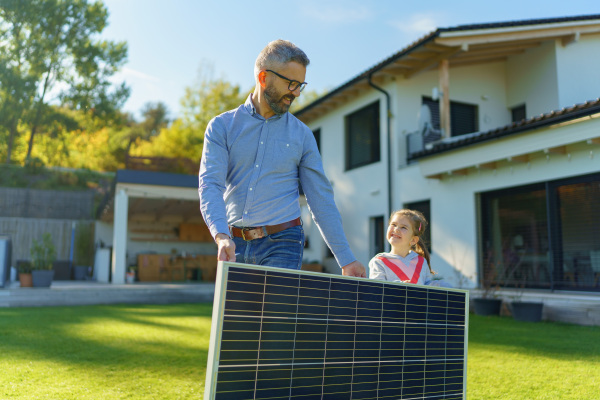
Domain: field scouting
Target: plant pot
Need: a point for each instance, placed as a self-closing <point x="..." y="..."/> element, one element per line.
<point x="80" y="272"/>
<point x="527" y="311"/>
<point x="487" y="306"/>
<point x="25" y="279"/>
<point x="42" y="277"/>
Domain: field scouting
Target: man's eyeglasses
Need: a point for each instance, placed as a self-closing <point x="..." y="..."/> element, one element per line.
<point x="294" y="85"/>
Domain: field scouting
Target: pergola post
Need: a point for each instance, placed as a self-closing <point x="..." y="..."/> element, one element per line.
<point x="119" y="251"/>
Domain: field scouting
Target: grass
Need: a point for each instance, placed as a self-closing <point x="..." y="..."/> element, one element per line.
<point x="104" y="352"/>
<point x="520" y="360"/>
<point x="160" y="351"/>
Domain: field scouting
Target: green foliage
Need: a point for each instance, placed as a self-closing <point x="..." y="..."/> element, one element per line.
<point x="201" y="102"/>
<point x="34" y="166"/>
<point x="43" y="253"/>
<point x="45" y="178"/>
<point x="24" y="266"/>
<point x="54" y="46"/>
<point x="307" y="97"/>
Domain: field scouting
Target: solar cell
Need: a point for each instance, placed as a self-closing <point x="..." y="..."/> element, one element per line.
<point x="283" y="334"/>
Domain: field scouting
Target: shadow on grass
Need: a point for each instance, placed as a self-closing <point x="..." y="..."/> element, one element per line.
<point x="548" y="339"/>
<point x="146" y="337"/>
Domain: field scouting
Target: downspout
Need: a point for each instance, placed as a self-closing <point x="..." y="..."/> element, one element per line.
<point x="389" y="143"/>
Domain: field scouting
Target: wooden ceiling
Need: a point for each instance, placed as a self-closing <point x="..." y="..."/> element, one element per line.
<point x="143" y="209"/>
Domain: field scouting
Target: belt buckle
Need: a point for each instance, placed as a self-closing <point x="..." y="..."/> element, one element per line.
<point x="261" y="234"/>
<point x="244" y="230"/>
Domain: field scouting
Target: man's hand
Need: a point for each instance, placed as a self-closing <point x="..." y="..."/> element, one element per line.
<point x="355" y="268"/>
<point x="226" y="251"/>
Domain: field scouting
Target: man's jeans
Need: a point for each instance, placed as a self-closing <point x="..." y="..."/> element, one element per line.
<point x="282" y="249"/>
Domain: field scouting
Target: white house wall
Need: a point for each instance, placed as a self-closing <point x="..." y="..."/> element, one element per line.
<point x="454" y="199"/>
<point x="484" y="85"/>
<point x="532" y="79"/>
<point x="542" y="78"/>
<point x="360" y="193"/>
<point x="577" y="65"/>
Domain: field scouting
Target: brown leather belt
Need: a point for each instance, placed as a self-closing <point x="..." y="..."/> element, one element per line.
<point x="259" y="232"/>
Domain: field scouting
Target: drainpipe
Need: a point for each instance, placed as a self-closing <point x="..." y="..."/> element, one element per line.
<point x="389" y="144"/>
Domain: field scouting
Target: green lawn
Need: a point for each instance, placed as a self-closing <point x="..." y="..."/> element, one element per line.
<point x="159" y="352"/>
<point x="522" y="360"/>
<point x="104" y="352"/>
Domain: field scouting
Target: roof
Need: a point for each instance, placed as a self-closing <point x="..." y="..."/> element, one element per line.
<point x="554" y="117"/>
<point x="461" y="45"/>
<point x="156" y="178"/>
<point x="169" y="205"/>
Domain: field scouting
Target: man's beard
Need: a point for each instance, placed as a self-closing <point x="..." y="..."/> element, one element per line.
<point x="275" y="100"/>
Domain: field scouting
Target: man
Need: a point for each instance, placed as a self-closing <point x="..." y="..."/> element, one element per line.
<point x="254" y="159"/>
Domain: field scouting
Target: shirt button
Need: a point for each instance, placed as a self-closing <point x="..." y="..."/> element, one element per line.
<point x="246" y="212"/>
<point x="261" y="142"/>
<point x="256" y="165"/>
<point x="250" y="189"/>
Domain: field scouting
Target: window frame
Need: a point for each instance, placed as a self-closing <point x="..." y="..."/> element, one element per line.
<point x="371" y="111"/>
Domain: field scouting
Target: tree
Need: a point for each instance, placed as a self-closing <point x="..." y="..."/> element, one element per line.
<point x="307" y="97"/>
<point x="49" y="47"/>
<point x="202" y="101"/>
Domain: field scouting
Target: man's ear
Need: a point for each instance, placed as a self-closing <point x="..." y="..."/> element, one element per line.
<point x="262" y="78"/>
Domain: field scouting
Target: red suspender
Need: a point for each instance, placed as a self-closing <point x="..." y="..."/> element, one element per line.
<point x="396" y="270"/>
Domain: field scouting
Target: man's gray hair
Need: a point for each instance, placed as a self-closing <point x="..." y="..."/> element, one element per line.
<point x="278" y="53"/>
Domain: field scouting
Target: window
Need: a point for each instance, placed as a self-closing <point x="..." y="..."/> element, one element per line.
<point x="424" y="207"/>
<point x="515" y="237"/>
<point x="518" y="113"/>
<point x="464" y="118"/>
<point x="378" y="232"/>
<point x="362" y="137"/>
<point x="544" y="235"/>
<point x="317" y="134"/>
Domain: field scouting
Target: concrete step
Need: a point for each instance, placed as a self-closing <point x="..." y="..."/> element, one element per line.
<point x="72" y="293"/>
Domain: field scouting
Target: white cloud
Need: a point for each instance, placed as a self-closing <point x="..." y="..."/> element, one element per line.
<point x="132" y="73"/>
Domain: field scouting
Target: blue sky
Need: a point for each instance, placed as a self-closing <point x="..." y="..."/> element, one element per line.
<point x="171" y="41"/>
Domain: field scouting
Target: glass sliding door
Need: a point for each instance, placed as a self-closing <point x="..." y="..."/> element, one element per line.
<point x="545" y="235"/>
<point x="577" y="215"/>
<point x="515" y="237"/>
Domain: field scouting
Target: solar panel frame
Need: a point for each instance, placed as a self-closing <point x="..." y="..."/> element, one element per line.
<point x="274" y="351"/>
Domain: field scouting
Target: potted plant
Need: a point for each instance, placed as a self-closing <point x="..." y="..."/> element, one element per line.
<point x="43" y="254"/>
<point x="24" y="268"/>
<point x="489" y="303"/>
<point x="528" y="311"/>
<point x="83" y="251"/>
<point x="130" y="274"/>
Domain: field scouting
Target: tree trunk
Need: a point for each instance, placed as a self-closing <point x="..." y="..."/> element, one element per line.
<point x="11" y="139"/>
<point x="38" y="113"/>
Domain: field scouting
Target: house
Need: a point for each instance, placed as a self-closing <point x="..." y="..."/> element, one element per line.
<point x="493" y="131"/>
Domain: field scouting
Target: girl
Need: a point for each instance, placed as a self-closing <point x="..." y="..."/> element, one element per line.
<point x="408" y="261"/>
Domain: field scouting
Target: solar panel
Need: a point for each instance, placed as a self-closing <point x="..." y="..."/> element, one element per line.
<point x="283" y="334"/>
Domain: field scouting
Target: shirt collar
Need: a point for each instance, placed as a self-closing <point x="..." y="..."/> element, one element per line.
<point x="251" y="109"/>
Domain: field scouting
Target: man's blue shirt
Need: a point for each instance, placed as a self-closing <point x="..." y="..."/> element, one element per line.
<point x="250" y="173"/>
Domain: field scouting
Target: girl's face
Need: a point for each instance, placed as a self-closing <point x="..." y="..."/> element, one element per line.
<point x="400" y="235"/>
